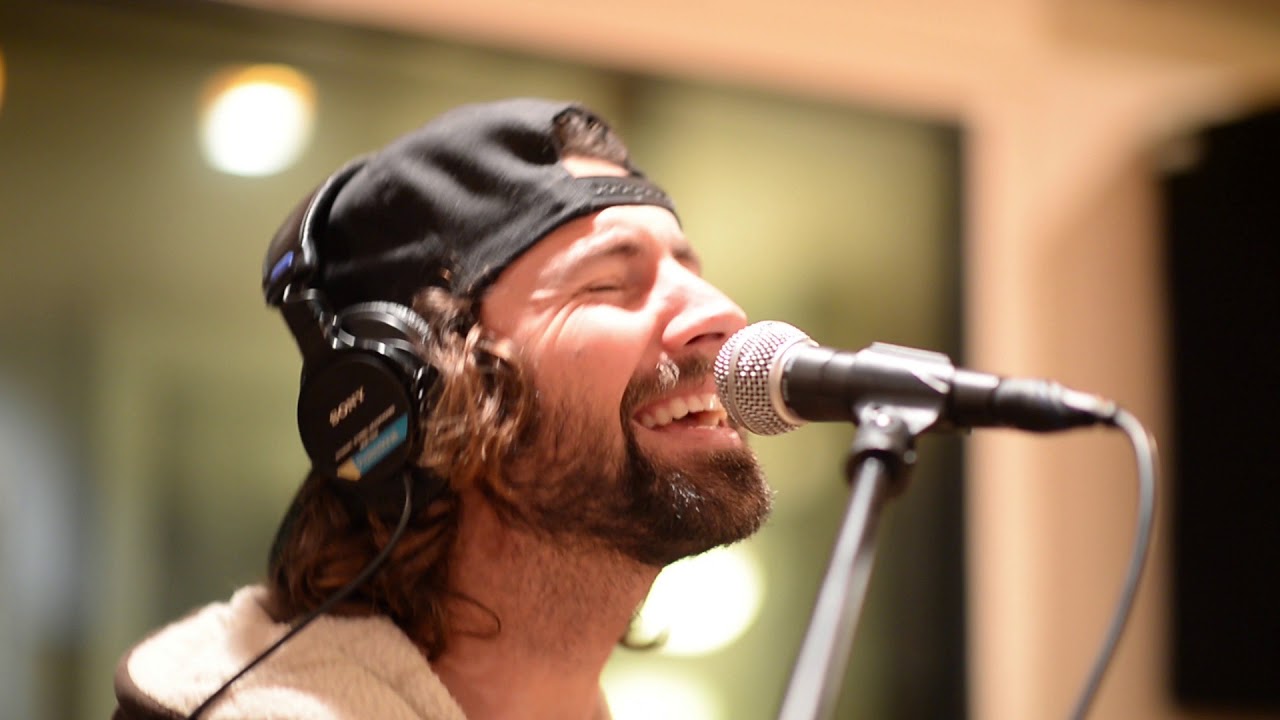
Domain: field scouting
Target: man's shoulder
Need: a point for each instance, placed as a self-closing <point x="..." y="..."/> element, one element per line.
<point x="335" y="668"/>
<point x="161" y="676"/>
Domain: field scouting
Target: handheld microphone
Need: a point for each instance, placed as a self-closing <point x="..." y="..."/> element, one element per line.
<point x="772" y="378"/>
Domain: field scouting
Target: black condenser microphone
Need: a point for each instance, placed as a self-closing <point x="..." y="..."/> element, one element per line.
<point x="773" y="378"/>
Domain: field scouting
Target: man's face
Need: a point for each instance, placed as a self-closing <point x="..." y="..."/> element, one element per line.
<point x="618" y="330"/>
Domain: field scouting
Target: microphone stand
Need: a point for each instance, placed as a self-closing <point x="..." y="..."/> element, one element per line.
<point x="879" y="457"/>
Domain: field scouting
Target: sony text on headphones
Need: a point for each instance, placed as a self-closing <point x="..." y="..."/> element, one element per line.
<point x="364" y="386"/>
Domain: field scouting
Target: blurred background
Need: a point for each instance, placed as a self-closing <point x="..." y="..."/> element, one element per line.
<point x="1081" y="190"/>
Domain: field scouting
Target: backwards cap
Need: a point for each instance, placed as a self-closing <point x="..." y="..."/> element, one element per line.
<point x="455" y="202"/>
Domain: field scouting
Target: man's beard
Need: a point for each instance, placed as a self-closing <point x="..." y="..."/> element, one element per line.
<point x="581" y="488"/>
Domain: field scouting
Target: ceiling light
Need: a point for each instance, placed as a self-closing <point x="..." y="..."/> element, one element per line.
<point x="704" y="603"/>
<point x="256" y="120"/>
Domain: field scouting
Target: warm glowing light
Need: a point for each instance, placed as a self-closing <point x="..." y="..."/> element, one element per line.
<point x="1" y="78"/>
<point x="256" y="120"/>
<point x="704" y="603"/>
<point x="645" y="695"/>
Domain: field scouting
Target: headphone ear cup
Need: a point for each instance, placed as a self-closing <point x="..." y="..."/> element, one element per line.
<point x="360" y="408"/>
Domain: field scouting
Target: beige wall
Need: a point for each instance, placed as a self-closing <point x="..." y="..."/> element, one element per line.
<point x="1067" y="105"/>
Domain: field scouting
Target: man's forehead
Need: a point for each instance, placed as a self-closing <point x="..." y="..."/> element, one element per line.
<point x="624" y="230"/>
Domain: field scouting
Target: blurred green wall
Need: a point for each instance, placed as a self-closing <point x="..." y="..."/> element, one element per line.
<point x="135" y="346"/>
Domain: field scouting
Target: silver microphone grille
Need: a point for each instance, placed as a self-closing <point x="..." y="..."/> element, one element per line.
<point x="743" y="376"/>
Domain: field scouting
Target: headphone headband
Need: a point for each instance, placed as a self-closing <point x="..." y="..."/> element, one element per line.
<point x="293" y="258"/>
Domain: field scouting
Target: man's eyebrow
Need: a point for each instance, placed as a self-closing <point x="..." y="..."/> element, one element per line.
<point x="597" y="250"/>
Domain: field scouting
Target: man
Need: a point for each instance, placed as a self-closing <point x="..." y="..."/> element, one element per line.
<point x="570" y="442"/>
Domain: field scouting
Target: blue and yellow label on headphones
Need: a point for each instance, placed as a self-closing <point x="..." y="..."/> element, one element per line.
<point x="391" y="437"/>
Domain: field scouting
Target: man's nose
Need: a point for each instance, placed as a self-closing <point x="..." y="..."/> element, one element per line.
<point x="698" y="312"/>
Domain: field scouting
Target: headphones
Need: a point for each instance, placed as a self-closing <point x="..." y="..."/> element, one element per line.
<point x="365" y="388"/>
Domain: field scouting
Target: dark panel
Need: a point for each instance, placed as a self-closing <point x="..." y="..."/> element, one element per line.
<point x="1223" y="220"/>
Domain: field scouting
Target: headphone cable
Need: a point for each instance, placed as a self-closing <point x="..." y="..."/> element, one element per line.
<point x="337" y="597"/>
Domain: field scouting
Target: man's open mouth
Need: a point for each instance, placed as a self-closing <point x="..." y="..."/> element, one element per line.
<point x="692" y="410"/>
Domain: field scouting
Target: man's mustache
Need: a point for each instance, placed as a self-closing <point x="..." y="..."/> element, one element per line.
<point x="645" y="386"/>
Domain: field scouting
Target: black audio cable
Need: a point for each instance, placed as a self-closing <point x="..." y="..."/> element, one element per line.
<point x="341" y="594"/>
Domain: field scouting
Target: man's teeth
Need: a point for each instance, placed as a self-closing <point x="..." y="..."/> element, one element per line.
<point x="708" y="404"/>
